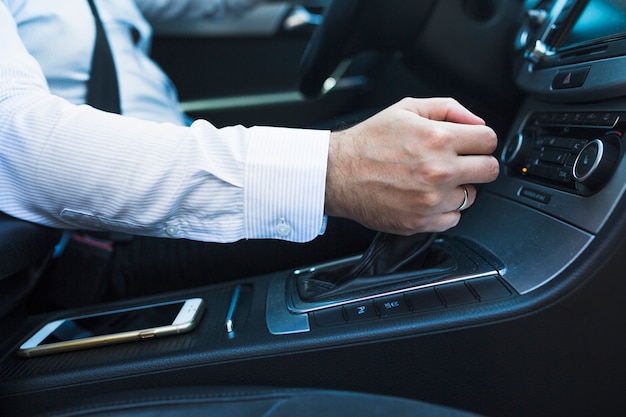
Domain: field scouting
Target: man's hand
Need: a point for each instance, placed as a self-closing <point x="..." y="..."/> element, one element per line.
<point x="403" y="170"/>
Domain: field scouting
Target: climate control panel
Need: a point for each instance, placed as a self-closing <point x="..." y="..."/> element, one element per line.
<point x="576" y="152"/>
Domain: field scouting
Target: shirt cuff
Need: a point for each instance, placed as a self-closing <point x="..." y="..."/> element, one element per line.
<point x="285" y="183"/>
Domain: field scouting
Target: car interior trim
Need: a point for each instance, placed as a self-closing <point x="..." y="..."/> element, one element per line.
<point x="269" y="99"/>
<point x="266" y="20"/>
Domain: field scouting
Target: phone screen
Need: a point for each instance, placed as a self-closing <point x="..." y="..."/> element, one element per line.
<point x="116" y="326"/>
<point x="116" y="322"/>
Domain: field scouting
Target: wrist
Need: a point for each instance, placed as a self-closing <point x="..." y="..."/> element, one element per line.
<point x="335" y="176"/>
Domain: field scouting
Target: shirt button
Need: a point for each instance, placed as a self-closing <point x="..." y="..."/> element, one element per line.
<point x="171" y="230"/>
<point x="283" y="229"/>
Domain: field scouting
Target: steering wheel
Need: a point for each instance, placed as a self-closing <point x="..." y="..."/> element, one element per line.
<point x="351" y="26"/>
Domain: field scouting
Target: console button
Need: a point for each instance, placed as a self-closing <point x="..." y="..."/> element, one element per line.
<point x="552" y="142"/>
<point x="360" y="311"/>
<point x="576" y="145"/>
<point x="457" y="293"/>
<point x="592" y="119"/>
<point x="569" y="162"/>
<point x="578" y="118"/>
<point x="533" y="194"/>
<point x="596" y="163"/>
<point x="553" y="156"/>
<point x="423" y="300"/>
<point x="489" y="288"/>
<point x="391" y="305"/>
<point x="608" y="119"/>
<point x="564" y="143"/>
<point x="329" y="316"/>
<point x="541" y="141"/>
<point x="565" y="118"/>
<point x="564" y="174"/>
<point x="544" y="171"/>
<point x="570" y="78"/>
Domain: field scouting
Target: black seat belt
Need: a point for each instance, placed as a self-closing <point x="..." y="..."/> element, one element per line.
<point x="102" y="88"/>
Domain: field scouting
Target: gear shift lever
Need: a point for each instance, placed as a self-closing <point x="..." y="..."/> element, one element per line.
<point x="382" y="263"/>
<point x="387" y="254"/>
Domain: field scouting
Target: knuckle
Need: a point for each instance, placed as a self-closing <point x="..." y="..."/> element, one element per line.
<point x="437" y="137"/>
<point x="432" y="199"/>
<point x="415" y="225"/>
<point x="407" y="100"/>
<point x="424" y="204"/>
<point x="446" y="101"/>
<point x="450" y="101"/>
<point x="436" y="172"/>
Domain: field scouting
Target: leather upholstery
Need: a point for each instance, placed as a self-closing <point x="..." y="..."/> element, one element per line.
<point x="22" y="245"/>
<point x="250" y="402"/>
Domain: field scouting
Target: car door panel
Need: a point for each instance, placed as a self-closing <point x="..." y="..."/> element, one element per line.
<point x="246" y="71"/>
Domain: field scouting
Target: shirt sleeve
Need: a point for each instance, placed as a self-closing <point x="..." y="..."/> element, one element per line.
<point x="71" y="166"/>
<point x="295" y="202"/>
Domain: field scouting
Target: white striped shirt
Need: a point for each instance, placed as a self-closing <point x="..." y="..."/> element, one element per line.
<point x="67" y="165"/>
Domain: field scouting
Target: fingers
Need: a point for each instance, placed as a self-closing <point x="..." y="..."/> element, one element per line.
<point x="477" y="169"/>
<point x="441" y="109"/>
<point x="472" y="139"/>
<point x="461" y="198"/>
<point x="458" y="199"/>
<point x="468" y="196"/>
<point x="454" y="124"/>
<point x="466" y="199"/>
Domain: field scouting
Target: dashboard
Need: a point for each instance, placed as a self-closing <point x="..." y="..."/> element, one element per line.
<point x="563" y="175"/>
<point x="568" y="140"/>
<point x="563" y="171"/>
<point x="569" y="50"/>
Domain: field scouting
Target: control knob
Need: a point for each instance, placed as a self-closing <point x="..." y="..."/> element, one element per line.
<point x="534" y="19"/>
<point x="595" y="163"/>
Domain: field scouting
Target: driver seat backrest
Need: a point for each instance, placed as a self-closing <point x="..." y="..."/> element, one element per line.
<point x="24" y="248"/>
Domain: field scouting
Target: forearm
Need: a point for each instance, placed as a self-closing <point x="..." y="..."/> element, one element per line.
<point x="75" y="167"/>
<point x="116" y="173"/>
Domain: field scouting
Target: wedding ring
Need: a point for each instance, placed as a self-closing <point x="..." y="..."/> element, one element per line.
<point x="466" y="199"/>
